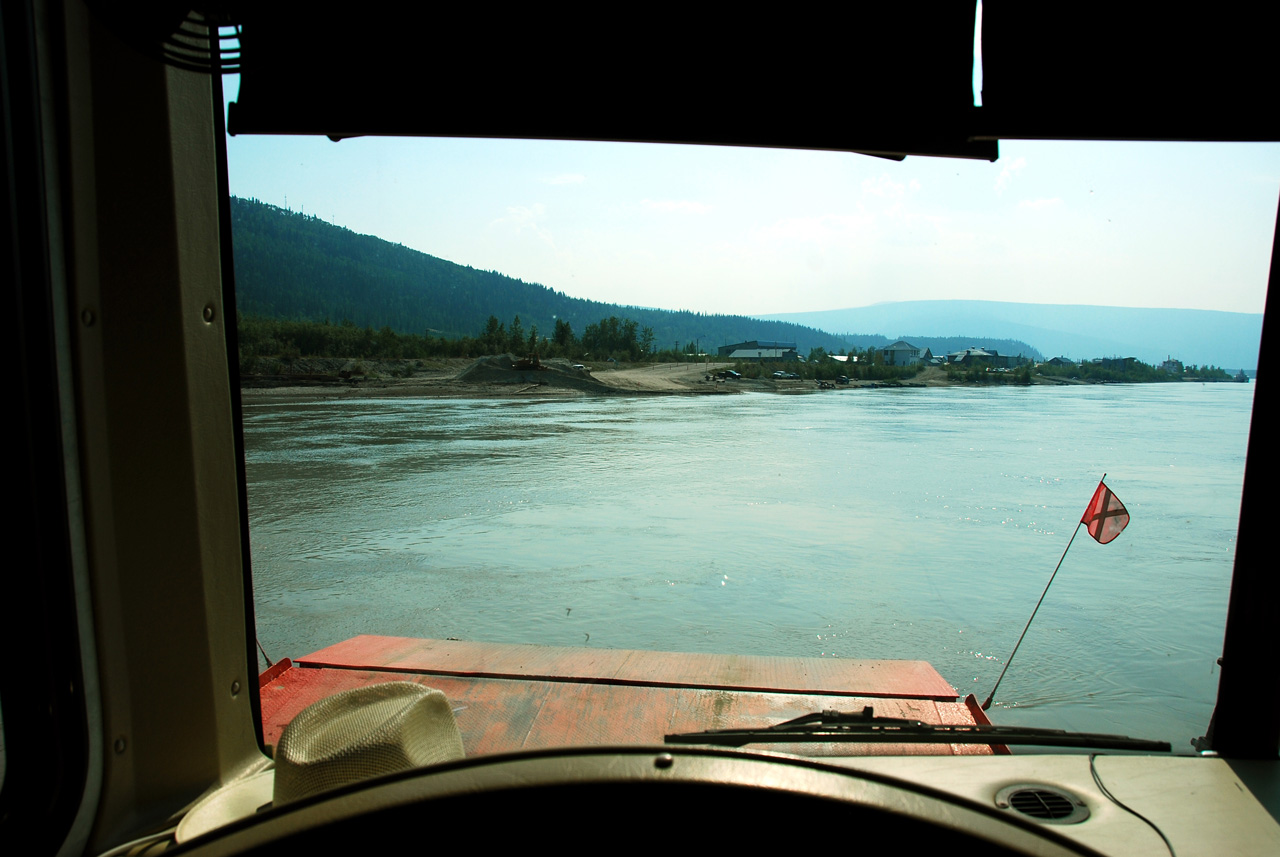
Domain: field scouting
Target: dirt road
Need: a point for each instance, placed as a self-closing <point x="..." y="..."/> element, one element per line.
<point x="662" y="377"/>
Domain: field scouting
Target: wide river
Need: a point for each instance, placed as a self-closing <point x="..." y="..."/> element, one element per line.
<point x="866" y="524"/>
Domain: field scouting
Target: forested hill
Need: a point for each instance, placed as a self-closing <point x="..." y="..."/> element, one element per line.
<point x="294" y="266"/>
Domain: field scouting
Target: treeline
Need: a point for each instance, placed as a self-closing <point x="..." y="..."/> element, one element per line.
<point x="865" y="365"/>
<point x="1206" y="373"/>
<point x="276" y="337"/>
<point x="620" y="339"/>
<point x="983" y="373"/>
<point x="610" y="338"/>
<point x="613" y="337"/>
<point x="1130" y="372"/>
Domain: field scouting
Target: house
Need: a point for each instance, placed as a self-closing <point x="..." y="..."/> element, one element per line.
<point x="971" y="357"/>
<point x="900" y="353"/>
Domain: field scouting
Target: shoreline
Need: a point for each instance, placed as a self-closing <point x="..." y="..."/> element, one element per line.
<point x="491" y="378"/>
<point x="499" y="377"/>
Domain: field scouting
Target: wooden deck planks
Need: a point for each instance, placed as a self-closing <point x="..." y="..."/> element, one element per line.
<point x="519" y="697"/>
<point x="829" y="676"/>
<point x="502" y="715"/>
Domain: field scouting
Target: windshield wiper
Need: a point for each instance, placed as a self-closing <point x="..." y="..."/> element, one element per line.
<point x="864" y="727"/>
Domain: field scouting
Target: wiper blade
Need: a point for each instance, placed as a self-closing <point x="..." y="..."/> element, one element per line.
<point x="863" y="727"/>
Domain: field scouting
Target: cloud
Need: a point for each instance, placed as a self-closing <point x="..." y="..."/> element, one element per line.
<point x="527" y="218"/>
<point x="566" y="178"/>
<point x="1040" y="203"/>
<point x="686" y="206"/>
<point x="1008" y="173"/>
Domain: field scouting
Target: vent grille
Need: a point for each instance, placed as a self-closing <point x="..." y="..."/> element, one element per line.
<point x="1040" y="803"/>
<point x="1043" y="803"/>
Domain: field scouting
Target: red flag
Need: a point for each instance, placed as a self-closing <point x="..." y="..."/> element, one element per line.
<point x="1105" y="515"/>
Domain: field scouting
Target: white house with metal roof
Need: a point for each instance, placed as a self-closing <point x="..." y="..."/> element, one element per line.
<point x="900" y="353"/>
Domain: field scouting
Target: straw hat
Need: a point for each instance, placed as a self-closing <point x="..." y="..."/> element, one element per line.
<point x="351" y="736"/>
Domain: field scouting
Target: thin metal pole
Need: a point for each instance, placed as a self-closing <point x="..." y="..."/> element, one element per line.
<point x="264" y="654"/>
<point x="986" y="705"/>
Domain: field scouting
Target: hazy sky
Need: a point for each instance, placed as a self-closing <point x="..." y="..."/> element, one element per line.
<point x="752" y="231"/>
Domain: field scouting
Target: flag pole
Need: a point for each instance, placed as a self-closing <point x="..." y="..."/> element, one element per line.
<point x="987" y="704"/>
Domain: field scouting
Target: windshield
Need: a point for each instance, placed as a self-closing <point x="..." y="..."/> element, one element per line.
<point x="659" y="487"/>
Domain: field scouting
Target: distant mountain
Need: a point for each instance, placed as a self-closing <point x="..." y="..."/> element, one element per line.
<point x="294" y="266"/>
<point x="1201" y="337"/>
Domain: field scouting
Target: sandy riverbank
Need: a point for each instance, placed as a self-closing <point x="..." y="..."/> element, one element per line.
<point x="497" y="377"/>
<point x="488" y="377"/>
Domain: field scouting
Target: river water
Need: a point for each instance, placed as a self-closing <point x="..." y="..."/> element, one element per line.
<point x="862" y="523"/>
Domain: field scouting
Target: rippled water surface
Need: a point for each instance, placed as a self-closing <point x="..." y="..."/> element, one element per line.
<point x="873" y="523"/>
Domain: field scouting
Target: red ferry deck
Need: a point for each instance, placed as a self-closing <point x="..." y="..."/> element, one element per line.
<point x="509" y="697"/>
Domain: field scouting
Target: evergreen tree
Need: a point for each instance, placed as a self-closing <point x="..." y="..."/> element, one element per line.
<point x="563" y="335"/>
<point x="515" y="338"/>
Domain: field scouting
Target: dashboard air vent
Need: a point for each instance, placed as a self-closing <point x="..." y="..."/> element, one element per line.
<point x="1043" y="803"/>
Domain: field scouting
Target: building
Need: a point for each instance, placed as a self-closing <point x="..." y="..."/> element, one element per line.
<point x="900" y="353"/>
<point x="972" y="357"/>
<point x="760" y="349"/>
<point x="989" y="356"/>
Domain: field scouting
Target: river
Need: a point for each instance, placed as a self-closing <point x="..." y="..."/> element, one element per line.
<point x="856" y="523"/>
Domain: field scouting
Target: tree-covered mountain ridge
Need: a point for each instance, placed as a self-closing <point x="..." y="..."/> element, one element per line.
<point x="294" y="266"/>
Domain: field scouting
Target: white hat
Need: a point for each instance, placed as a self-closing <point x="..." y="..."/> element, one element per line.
<point x="351" y="736"/>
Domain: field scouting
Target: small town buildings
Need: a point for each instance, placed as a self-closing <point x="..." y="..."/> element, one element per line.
<point x="989" y="356"/>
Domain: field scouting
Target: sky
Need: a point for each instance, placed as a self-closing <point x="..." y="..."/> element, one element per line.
<point x="758" y="231"/>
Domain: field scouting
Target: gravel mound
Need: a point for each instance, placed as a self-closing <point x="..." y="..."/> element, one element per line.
<point x="557" y="372"/>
